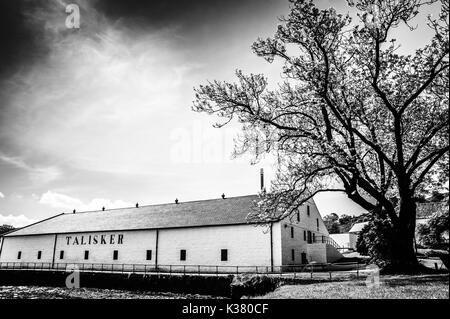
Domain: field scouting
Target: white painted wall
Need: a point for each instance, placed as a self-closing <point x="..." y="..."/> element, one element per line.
<point x="276" y="241"/>
<point x="323" y="253"/>
<point x="298" y="243"/>
<point x="132" y="250"/>
<point x="29" y="246"/>
<point x="247" y="245"/>
<point x="317" y="253"/>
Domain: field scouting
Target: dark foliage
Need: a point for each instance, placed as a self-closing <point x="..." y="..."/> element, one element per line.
<point x="375" y="240"/>
<point x="431" y="234"/>
<point x="5" y="229"/>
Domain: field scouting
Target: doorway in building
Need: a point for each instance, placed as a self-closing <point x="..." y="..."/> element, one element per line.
<point x="304" y="259"/>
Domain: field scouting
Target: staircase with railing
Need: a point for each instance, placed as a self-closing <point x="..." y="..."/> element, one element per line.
<point x="319" y="249"/>
<point x="324" y="240"/>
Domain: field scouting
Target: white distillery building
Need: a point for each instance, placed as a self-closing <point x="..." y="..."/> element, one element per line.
<point x="209" y="233"/>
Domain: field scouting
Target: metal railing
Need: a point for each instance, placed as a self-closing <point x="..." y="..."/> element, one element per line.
<point x="312" y="268"/>
<point x="325" y="240"/>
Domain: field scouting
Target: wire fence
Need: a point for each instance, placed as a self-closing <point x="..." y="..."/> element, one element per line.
<point x="307" y="270"/>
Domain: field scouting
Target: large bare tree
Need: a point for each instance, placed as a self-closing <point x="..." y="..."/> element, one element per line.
<point x="351" y="108"/>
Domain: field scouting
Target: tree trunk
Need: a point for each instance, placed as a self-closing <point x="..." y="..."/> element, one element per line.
<point x="403" y="258"/>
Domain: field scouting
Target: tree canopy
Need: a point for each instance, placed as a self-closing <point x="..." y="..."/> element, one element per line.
<point x="5" y="228"/>
<point x="351" y="109"/>
<point x="432" y="233"/>
<point x="331" y="221"/>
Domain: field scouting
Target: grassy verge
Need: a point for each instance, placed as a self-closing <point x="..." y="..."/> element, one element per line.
<point x="390" y="287"/>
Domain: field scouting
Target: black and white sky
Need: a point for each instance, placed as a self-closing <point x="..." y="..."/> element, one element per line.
<point x="101" y="115"/>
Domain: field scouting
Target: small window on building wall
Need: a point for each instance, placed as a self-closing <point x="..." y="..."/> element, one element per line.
<point x="86" y="254"/>
<point x="115" y="254"/>
<point x="314" y="238"/>
<point x="224" y="255"/>
<point x="182" y="254"/>
<point x="317" y="220"/>
<point x="39" y="256"/>
<point x="304" y="235"/>
<point x="149" y="255"/>
<point x="293" y="254"/>
<point x="308" y="211"/>
<point x="61" y="254"/>
<point x="19" y="255"/>
<point x="298" y="216"/>
<point x="292" y="232"/>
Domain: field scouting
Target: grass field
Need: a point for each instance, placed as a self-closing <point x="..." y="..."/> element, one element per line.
<point x="390" y="287"/>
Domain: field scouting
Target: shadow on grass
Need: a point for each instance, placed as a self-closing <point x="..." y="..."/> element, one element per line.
<point x="424" y="279"/>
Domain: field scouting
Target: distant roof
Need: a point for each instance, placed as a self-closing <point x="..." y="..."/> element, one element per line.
<point x="356" y="228"/>
<point x="228" y="211"/>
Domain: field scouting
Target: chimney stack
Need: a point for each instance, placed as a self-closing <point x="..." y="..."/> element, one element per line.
<point x="262" y="178"/>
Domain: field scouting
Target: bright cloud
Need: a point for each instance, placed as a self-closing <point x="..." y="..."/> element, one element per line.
<point x="1" y="195"/>
<point x="63" y="201"/>
<point x="16" y="221"/>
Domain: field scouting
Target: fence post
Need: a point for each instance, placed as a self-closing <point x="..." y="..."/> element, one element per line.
<point x="217" y="271"/>
<point x="312" y="270"/>
<point x="198" y="269"/>
<point x="237" y="270"/>
<point x="357" y="270"/>
<point x="184" y="270"/>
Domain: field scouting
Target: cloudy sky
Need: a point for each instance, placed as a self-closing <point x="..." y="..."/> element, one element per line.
<point x="101" y="115"/>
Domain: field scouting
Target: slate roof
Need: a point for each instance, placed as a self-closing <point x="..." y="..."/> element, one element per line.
<point x="357" y="227"/>
<point x="228" y="211"/>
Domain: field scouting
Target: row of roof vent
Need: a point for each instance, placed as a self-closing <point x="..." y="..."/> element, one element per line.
<point x="137" y="204"/>
<point x="223" y="195"/>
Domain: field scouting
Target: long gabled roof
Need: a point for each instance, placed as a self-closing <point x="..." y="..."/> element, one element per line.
<point x="228" y="211"/>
